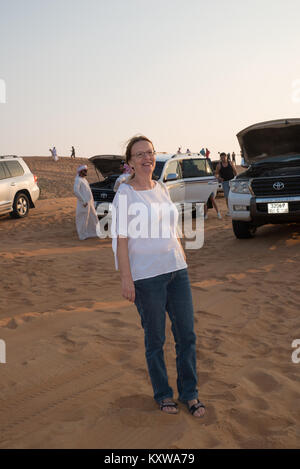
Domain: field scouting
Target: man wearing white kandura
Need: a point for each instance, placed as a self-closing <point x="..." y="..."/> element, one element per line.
<point x="86" y="216"/>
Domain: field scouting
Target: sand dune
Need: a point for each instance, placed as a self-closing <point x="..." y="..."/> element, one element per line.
<point x="56" y="178"/>
<point x="75" y="375"/>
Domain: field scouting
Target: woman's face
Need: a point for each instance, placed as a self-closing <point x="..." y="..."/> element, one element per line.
<point x="142" y="158"/>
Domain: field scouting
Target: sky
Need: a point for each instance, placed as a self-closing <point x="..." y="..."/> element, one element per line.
<point x="189" y="73"/>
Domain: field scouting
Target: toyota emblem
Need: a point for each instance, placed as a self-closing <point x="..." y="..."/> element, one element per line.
<point x="104" y="196"/>
<point x="278" y="186"/>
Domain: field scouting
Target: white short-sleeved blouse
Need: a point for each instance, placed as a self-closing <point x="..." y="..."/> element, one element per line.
<point x="148" y="218"/>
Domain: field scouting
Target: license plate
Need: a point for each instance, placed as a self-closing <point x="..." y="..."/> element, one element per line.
<point x="278" y="207"/>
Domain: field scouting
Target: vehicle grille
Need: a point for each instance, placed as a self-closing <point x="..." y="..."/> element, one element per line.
<point x="293" y="207"/>
<point x="98" y="195"/>
<point x="264" y="186"/>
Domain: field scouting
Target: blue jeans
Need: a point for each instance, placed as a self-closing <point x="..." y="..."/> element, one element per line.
<point x="226" y="188"/>
<point x="154" y="296"/>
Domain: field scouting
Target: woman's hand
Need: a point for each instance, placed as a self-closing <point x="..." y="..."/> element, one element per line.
<point x="128" y="289"/>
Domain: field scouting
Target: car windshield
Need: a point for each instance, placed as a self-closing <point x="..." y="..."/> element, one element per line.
<point x="158" y="169"/>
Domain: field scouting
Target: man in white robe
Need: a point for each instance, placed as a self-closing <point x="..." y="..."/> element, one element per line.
<point x="86" y="216"/>
<point x="54" y="154"/>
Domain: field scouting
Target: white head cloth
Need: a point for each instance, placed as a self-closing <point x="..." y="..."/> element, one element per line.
<point x="80" y="168"/>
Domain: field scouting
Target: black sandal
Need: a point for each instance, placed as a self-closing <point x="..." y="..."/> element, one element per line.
<point x="195" y="407"/>
<point x="163" y="404"/>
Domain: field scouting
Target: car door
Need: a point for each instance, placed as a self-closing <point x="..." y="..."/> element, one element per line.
<point x="198" y="179"/>
<point x="5" y="189"/>
<point x="175" y="185"/>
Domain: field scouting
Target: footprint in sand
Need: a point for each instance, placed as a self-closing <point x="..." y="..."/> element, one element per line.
<point x="117" y="313"/>
<point x="69" y="345"/>
<point x="264" y="381"/>
<point x="12" y="324"/>
<point x="117" y="323"/>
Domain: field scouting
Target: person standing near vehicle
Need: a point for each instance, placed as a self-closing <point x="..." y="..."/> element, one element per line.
<point x="154" y="276"/>
<point x="86" y="216"/>
<point x="214" y="204"/>
<point x="225" y="171"/>
<point x="126" y="173"/>
<point x="233" y="157"/>
<point x="72" y="152"/>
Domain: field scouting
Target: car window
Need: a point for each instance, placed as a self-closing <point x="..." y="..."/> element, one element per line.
<point x="173" y="168"/>
<point x="2" y="171"/>
<point x="194" y="168"/>
<point x="14" y="168"/>
<point x="215" y="164"/>
<point x="157" y="170"/>
<point x="210" y="163"/>
<point x="209" y="168"/>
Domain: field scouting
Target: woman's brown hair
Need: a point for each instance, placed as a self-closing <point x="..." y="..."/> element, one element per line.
<point x="131" y="142"/>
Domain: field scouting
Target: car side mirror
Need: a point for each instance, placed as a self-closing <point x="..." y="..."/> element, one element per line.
<point x="171" y="177"/>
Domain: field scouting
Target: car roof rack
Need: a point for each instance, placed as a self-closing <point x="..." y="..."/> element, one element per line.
<point x="184" y="155"/>
<point x="8" y="156"/>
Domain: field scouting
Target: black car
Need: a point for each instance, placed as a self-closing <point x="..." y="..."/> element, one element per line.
<point x="108" y="168"/>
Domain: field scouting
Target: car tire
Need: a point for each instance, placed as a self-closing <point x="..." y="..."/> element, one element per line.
<point x="20" y="206"/>
<point x="243" y="229"/>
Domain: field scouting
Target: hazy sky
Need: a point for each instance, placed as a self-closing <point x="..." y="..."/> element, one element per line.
<point x="190" y="73"/>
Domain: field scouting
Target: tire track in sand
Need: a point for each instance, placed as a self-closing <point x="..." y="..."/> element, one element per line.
<point x="43" y="397"/>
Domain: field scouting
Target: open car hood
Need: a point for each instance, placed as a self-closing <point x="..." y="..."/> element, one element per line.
<point x="270" y="139"/>
<point x="107" y="165"/>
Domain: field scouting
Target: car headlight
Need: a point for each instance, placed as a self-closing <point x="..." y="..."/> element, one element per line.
<point x="239" y="186"/>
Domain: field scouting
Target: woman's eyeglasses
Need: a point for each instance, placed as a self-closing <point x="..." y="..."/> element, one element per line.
<point x="142" y="154"/>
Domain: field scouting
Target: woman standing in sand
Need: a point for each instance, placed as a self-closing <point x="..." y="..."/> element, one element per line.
<point x="154" y="276"/>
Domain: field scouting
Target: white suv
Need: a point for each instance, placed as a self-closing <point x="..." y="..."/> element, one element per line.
<point x="269" y="190"/>
<point x="189" y="178"/>
<point x="18" y="187"/>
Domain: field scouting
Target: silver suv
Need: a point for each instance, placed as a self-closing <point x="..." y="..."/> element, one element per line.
<point x="18" y="187"/>
<point x="189" y="178"/>
<point x="269" y="190"/>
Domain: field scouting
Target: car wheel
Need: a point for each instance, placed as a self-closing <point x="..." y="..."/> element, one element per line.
<point x="243" y="229"/>
<point x="20" y="206"/>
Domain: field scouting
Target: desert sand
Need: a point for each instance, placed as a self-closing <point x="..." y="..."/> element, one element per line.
<point x="75" y="373"/>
